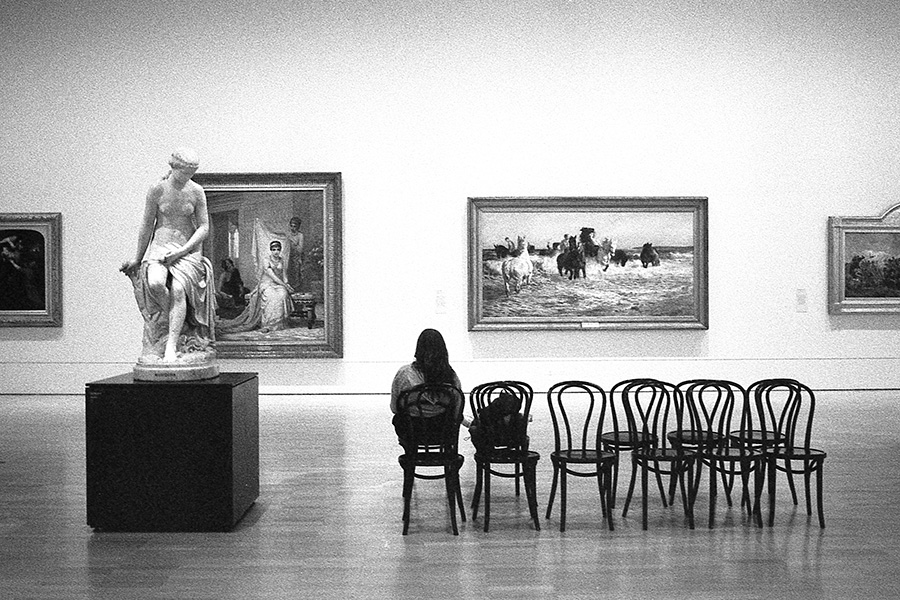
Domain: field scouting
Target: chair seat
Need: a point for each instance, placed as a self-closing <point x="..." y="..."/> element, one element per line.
<point x="623" y="439"/>
<point x="732" y="454"/>
<point x="796" y="453"/>
<point x="667" y="454"/>
<point x="756" y="437"/>
<point x="583" y="456"/>
<point x="507" y="456"/>
<point x="431" y="460"/>
<point x="692" y="437"/>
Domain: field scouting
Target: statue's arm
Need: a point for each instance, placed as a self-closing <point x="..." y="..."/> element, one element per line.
<point x="145" y="232"/>
<point x="201" y="219"/>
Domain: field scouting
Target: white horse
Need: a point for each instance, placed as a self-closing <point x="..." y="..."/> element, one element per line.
<point x="607" y="249"/>
<point x="518" y="269"/>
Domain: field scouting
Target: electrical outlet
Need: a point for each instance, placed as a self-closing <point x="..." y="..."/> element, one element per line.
<point x="802" y="304"/>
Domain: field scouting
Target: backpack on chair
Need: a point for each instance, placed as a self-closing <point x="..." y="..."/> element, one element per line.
<point x="500" y="424"/>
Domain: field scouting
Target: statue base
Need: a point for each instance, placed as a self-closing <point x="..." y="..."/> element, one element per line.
<point x="175" y="372"/>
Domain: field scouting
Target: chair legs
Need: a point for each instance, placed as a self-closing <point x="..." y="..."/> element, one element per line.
<point x="531" y="492"/>
<point x="526" y="470"/>
<point x="819" y="501"/>
<point x="810" y="465"/>
<point x="605" y="475"/>
<point x="408" y="478"/>
<point x="454" y="494"/>
<point x="680" y="469"/>
<point x="486" y="473"/>
<point x="553" y="487"/>
<point x="451" y="497"/>
<point x="476" y="495"/>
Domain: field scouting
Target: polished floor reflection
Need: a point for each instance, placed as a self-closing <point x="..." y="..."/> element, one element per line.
<point x="328" y="521"/>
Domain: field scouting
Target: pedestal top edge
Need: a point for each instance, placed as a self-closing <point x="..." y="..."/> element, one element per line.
<point x="230" y="379"/>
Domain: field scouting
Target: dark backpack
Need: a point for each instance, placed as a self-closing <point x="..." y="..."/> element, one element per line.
<point x="500" y="424"/>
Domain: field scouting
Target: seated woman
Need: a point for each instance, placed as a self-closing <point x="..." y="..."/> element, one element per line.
<point x="431" y="365"/>
<point x="269" y="305"/>
<point x="231" y="287"/>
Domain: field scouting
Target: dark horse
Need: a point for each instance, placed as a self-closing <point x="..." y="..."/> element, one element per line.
<point x="649" y="255"/>
<point x="591" y="249"/>
<point x="620" y="257"/>
<point x="572" y="263"/>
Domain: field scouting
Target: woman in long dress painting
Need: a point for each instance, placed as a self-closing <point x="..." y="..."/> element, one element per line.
<point x="269" y="305"/>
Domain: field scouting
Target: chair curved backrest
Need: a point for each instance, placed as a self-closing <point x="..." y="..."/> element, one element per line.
<point x="710" y="405"/>
<point x="501" y="410"/>
<point x="784" y="408"/>
<point x="573" y="406"/>
<point x="621" y="437"/>
<point x="653" y="409"/>
<point x="430" y="414"/>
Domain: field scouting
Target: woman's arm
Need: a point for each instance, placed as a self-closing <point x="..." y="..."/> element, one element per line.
<point x="401" y="382"/>
<point x="278" y="277"/>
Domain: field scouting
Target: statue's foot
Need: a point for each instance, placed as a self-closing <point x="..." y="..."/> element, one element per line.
<point x="170" y="356"/>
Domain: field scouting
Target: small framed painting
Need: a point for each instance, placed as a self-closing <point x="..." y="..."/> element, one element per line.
<point x="588" y="263"/>
<point x="30" y="270"/>
<point x="864" y="263"/>
<point x="276" y="250"/>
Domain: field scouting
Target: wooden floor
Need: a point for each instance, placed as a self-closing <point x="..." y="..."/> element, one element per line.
<point x="328" y="522"/>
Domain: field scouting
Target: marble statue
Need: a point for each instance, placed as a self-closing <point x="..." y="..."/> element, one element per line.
<point x="173" y="281"/>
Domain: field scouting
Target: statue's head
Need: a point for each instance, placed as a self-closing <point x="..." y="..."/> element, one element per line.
<point x="184" y="159"/>
<point x="275" y="246"/>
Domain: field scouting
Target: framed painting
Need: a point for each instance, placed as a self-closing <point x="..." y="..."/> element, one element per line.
<point x="588" y="263"/>
<point x="30" y="269"/>
<point x="275" y="245"/>
<point x="864" y="263"/>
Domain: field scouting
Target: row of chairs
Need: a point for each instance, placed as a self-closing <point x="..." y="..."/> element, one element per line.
<point x="669" y="430"/>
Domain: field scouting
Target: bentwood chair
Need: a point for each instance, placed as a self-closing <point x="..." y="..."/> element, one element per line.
<point x="699" y="400"/>
<point x="715" y="407"/>
<point x="578" y="410"/>
<point x="427" y="423"/>
<point x="655" y="408"/>
<point x="500" y="435"/>
<point x="793" y="453"/>
<point x="618" y="439"/>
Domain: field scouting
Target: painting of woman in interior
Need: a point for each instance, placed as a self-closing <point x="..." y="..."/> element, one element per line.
<point x="269" y="305"/>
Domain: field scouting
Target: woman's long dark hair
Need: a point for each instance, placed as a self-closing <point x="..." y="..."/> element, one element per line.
<point x="432" y="359"/>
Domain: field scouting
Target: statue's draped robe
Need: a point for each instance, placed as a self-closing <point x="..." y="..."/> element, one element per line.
<point x="194" y="273"/>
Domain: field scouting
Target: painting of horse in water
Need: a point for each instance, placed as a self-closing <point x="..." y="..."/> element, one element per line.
<point x="580" y="282"/>
<point x="517" y="270"/>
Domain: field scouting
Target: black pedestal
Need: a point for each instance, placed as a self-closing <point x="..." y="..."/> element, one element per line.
<point x="179" y="456"/>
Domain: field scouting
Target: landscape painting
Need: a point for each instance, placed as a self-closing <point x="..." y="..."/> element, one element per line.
<point x="582" y="263"/>
<point x="864" y="270"/>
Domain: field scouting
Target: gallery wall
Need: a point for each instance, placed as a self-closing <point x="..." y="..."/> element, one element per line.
<point x="782" y="114"/>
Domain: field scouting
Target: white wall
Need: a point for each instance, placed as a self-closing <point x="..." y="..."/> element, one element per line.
<point x="781" y="113"/>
